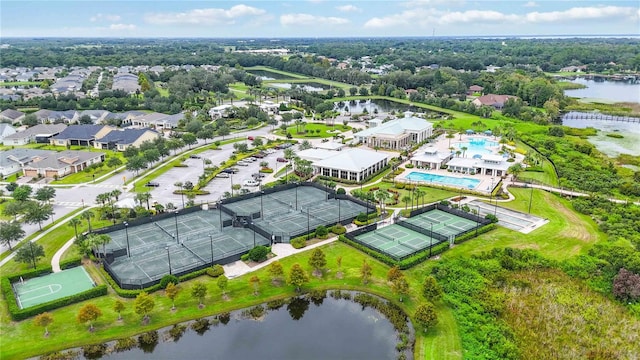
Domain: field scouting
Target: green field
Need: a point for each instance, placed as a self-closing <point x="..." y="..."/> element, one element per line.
<point x="311" y="130"/>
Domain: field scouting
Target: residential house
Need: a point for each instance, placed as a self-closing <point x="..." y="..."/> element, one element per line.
<point x="96" y="116"/>
<point x="395" y="134"/>
<point x="122" y="139"/>
<point x="6" y="130"/>
<point x="12" y="161"/>
<point x="157" y="120"/>
<point x="14" y="116"/>
<point x="50" y="116"/>
<point x="126" y="82"/>
<point x="496" y="101"/>
<point x="220" y="111"/>
<point x="41" y="133"/>
<point x="59" y="164"/>
<point x="82" y="135"/>
<point x="473" y="89"/>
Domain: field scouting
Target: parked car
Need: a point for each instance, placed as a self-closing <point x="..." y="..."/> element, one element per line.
<point x="242" y="163"/>
<point x="251" y="183"/>
<point x="194" y="156"/>
<point x="152" y="184"/>
<point x="282" y="160"/>
<point x="269" y="151"/>
<point x="223" y="175"/>
<point x="250" y="138"/>
<point x="258" y="175"/>
<point x="259" y="155"/>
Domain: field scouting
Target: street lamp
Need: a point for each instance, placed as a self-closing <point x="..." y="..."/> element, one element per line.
<point x="477" y="220"/>
<point x="126" y="231"/>
<point x="231" y="177"/>
<point x="530" y="198"/>
<point x="261" y="206"/>
<point x="253" y="227"/>
<point x="431" y="239"/>
<point x="308" y="226"/>
<point x="220" y="213"/>
<point x="168" y="258"/>
<point x="361" y="178"/>
<point x="181" y="194"/>
<point x="339" y="215"/>
<point x="491" y="192"/>
<point x="176" y="217"/>
<point x="296" y="195"/>
<point x="211" y="244"/>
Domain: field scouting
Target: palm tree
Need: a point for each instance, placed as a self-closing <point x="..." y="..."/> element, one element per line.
<point x="450" y="136"/>
<point x="382" y="196"/>
<point x="143" y="197"/>
<point x="420" y="193"/>
<point x="75" y="222"/>
<point x="406" y="200"/>
<point x="464" y="150"/>
<point x="87" y="215"/>
<point x="116" y="194"/>
<point x="515" y="170"/>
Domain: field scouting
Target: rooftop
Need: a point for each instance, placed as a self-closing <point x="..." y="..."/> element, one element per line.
<point x="352" y="159"/>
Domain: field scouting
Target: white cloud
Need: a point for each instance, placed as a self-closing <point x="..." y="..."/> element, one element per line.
<point x="531" y="4"/>
<point x="208" y="16"/>
<point x="426" y="17"/>
<point x="122" y="27"/>
<point x="580" y="13"/>
<point x="421" y="3"/>
<point x="105" y="17"/>
<point x="311" y="20"/>
<point x="348" y="8"/>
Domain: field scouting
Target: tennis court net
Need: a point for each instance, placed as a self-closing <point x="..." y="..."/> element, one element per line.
<point x="429" y="233"/>
<point x="193" y="252"/>
<point x="410" y="246"/>
<point x="165" y="230"/>
<point x="384" y="236"/>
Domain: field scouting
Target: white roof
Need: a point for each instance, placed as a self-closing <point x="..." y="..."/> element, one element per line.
<point x="431" y="157"/>
<point x="330" y="145"/>
<point x="477" y="163"/>
<point x="352" y="159"/>
<point x="490" y="157"/>
<point x="398" y="126"/>
<point x="315" y="154"/>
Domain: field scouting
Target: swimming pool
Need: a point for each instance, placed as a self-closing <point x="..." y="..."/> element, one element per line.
<point x="444" y="180"/>
<point x="477" y="146"/>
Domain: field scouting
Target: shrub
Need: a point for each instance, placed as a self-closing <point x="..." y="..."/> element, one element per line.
<point x="177" y="331"/>
<point x="258" y="253"/>
<point x="148" y="338"/>
<point x="168" y="279"/>
<point x="94" y="351"/>
<point x="338" y="229"/>
<point x="125" y="344"/>
<point x="215" y="271"/>
<point x="244" y="257"/>
<point x="200" y="325"/>
<point x="299" y="242"/>
<point x="322" y="232"/>
<point x="362" y="217"/>
<point x="341" y="191"/>
<point x="491" y="218"/>
<point x="399" y="185"/>
<point x="409" y="166"/>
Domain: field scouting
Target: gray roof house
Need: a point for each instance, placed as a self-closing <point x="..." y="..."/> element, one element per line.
<point x="6" y="130"/>
<point x="158" y="120"/>
<point x="96" y="116"/>
<point x="40" y="133"/>
<point x="67" y="116"/>
<point x="122" y="139"/>
<point x="14" y="116"/>
<point x="12" y="161"/>
<point x="59" y="164"/>
<point x="82" y="135"/>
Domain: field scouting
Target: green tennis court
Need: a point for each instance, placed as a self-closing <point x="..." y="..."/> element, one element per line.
<point x="52" y="286"/>
<point x="397" y="241"/>
<point x="442" y="223"/>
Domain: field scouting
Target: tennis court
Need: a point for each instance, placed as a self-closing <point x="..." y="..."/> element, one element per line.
<point x="443" y="223"/>
<point x="277" y="202"/>
<point x="397" y="241"/>
<point x="176" y="245"/>
<point x="53" y="286"/>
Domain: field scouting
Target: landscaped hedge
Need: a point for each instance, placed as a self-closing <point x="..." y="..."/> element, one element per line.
<point x="470" y="235"/>
<point x="70" y="263"/>
<point x="133" y="293"/>
<point x="299" y="242"/>
<point x="18" y="314"/>
<point x="374" y="254"/>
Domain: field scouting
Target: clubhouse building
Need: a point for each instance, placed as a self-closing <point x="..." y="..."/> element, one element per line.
<point x="395" y="134"/>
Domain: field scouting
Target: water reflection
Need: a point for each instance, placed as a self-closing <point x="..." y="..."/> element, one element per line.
<point x="301" y="331"/>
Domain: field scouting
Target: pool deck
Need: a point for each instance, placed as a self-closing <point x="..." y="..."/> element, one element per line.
<point x="487" y="182"/>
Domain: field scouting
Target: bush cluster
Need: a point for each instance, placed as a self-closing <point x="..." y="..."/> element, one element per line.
<point x="215" y="271"/>
<point x="299" y="242"/>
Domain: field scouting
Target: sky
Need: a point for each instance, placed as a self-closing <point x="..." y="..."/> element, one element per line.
<point x="316" y="18"/>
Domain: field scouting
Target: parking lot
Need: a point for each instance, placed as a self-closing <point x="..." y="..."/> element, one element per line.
<point x="219" y="185"/>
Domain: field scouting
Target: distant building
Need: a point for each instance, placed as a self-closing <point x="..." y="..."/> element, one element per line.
<point x="475" y="89"/>
<point x="430" y="158"/>
<point x="81" y="135"/>
<point x="14" y="116"/>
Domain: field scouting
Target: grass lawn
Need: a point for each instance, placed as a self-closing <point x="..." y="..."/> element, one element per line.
<point x="431" y="194"/>
<point x="162" y="91"/>
<point x="334" y="84"/>
<point x="567" y="234"/>
<point x="19" y="83"/>
<point x="66" y="332"/>
<point x="311" y="130"/>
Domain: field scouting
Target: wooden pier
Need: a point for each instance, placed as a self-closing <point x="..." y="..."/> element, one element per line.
<point x="598" y="116"/>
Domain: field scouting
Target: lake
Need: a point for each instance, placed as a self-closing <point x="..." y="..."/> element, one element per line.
<point x="305" y="328"/>
<point x="615" y="91"/>
<point x="382" y="106"/>
<point x="268" y="75"/>
<point x="629" y="144"/>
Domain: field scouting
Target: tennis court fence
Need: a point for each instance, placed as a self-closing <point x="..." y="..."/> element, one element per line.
<point x="429" y="233"/>
<point x="452" y="211"/>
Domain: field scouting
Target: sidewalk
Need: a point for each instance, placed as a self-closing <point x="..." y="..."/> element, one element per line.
<point x="281" y="251"/>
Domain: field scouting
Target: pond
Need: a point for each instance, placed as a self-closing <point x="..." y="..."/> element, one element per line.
<point x="310" y="327"/>
<point x="268" y="75"/>
<point x="614" y="91"/>
<point x="611" y="146"/>
<point x="307" y="86"/>
<point x="382" y="106"/>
